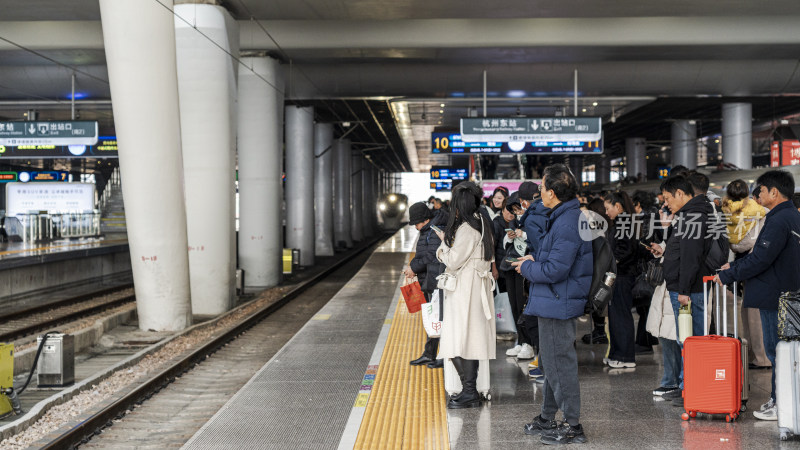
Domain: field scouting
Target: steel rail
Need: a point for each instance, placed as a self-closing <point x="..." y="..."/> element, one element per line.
<point x="58" y="304"/>
<point x="84" y="431"/>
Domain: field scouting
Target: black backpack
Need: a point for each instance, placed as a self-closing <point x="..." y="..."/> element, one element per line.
<point x="604" y="261"/>
<point x="717" y="255"/>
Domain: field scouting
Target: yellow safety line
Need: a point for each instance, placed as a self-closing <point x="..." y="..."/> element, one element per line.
<point x="407" y="406"/>
<point x="39" y="249"/>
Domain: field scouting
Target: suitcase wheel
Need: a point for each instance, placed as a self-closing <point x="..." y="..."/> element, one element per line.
<point x="785" y="434"/>
<point x="693" y="414"/>
<point x="685" y="416"/>
<point x="728" y="418"/>
<point x="743" y="408"/>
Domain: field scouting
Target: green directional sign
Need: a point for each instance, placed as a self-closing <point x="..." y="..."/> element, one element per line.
<point x="531" y="129"/>
<point x="65" y="132"/>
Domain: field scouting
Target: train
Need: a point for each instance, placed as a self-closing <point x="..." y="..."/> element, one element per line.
<point x="392" y="211"/>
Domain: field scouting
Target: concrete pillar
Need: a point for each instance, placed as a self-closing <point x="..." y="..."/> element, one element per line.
<point x="576" y="166"/>
<point x="139" y="40"/>
<point x="207" y="87"/>
<point x="341" y="206"/>
<point x="300" y="181"/>
<point x="636" y="157"/>
<point x="737" y="134"/>
<point x="356" y="195"/>
<point x="260" y="149"/>
<point x="603" y="170"/>
<point x="684" y="143"/>
<point x="323" y="189"/>
<point x="366" y="180"/>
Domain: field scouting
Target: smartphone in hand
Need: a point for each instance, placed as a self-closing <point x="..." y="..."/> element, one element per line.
<point x="512" y="260"/>
<point x="435" y="228"/>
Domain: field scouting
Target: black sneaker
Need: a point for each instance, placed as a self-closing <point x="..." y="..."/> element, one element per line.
<point x="595" y="337"/>
<point x="663" y="390"/>
<point x="539" y="425"/>
<point x="565" y="434"/>
<point x="674" y="395"/>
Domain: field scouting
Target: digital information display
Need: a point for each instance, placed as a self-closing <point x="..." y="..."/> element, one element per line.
<point x="452" y="143"/>
<point x="441" y="185"/>
<point x="531" y="129"/>
<point x="448" y="173"/>
<point x="53" y="197"/>
<point x="106" y="147"/>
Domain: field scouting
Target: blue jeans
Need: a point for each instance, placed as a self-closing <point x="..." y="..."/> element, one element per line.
<point x="671" y="354"/>
<point x="698" y="312"/>
<point x="769" y="328"/>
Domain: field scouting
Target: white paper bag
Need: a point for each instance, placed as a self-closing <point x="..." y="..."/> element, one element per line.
<point x="503" y="317"/>
<point x="431" y="316"/>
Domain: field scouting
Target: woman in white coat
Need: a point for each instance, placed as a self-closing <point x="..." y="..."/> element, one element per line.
<point x="468" y="324"/>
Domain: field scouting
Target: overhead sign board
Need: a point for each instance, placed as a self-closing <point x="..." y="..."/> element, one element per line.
<point x="449" y="173"/>
<point x="65" y="132"/>
<point x="106" y="147"/>
<point x="531" y="129"/>
<point x="53" y="197"/>
<point x="452" y="143"/>
<point x="441" y="185"/>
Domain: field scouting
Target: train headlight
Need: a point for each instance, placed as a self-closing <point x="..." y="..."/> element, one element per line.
<point x="401" y="206"/>
<point x="382" y="206"/>
<point x="392" y="198"/>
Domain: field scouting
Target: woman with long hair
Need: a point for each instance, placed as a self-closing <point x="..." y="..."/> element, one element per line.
<point x="622" y="353"/>
<point x="468" y="328"/>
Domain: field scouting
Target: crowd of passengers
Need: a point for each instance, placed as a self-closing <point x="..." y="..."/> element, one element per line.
<point x="529" y="243"/>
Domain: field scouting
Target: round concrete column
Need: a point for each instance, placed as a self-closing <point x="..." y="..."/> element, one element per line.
<point x="603" y="170"/>
<point x="356" y="195"/>
<point x="366" y="180"/>
<point x="737" y="134"/>
<point x="300" y="181"/>
<point x="207" y="88"/>
<point x="139" y="43"/>
<point x="636" y="157"/>
<point x="323" y="189"/>
<point x="684" y="144"/>
<point x="260" y="148"/>
<point x="576" y="166"/>
<point x="341" y="206"/>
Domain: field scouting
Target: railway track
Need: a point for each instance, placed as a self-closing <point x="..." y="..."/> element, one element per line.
<point x="19" y="324"/>
<point x="165" y="410"/>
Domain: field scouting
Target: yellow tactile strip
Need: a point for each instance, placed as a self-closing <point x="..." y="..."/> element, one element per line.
<point x="407" y="406"/>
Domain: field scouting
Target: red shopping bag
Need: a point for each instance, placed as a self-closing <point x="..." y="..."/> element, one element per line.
<point x="412" y="294"/>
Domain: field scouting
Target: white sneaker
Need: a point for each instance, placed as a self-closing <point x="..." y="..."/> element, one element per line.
<point x="767" y="414"/>
<point x="768" y="405"/>
<point x="526" y="352"/>
<point x="621" y="365"/>
<point x="605" y="361"/>
<point x="514" y="351"/>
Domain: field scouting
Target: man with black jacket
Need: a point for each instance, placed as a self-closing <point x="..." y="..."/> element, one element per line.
<point x="771" y="268"/>
<point x="684" y="256"/>
<point x="426" y="267"/>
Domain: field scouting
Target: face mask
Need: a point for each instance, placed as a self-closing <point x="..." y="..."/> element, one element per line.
<point x="519" y="216"/>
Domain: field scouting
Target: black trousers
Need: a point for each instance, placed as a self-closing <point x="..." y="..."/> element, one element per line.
<point x="431" y="344"/>
<point x="515" y="284"/>
<point x="644" y="338"/>
<point x="620" y="321"/>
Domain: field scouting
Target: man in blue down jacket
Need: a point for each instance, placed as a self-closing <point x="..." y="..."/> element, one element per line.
<point x="560" y="274"/>
<point x="772" y="266"/>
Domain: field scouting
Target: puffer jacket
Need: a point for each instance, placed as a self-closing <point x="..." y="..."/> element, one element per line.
<point x="687" y="247"/>
<point x="744" y="216"/>
<point x="533" y="223"/>
<point x="561" y="274"/>
<point x="424" y="263"/>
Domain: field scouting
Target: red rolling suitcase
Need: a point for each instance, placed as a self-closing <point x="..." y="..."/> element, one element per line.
<point x="712" y="368"/>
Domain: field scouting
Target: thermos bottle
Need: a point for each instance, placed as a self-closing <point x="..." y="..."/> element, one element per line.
<point x="685" y="322"/>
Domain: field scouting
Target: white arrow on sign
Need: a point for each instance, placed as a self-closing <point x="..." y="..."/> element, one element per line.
<point x="32" y="129"/>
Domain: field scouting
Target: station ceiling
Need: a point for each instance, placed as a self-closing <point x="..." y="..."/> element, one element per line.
<point x="644" y="63"/>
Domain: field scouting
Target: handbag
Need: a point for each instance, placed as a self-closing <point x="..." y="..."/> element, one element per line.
<point x="412" y="294"/>
<point x="514" y="250"/>
<point x="503" y="317"/>
<point x="448" y="280"/>
<point x="432" y="316"/>
<point x="654" y="272"/>
<point x="789" y="316"/>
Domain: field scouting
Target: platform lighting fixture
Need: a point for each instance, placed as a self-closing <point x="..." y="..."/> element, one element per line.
<point x="346" y="124"/>
<point x="594" y="103"/>
<point x="441" y="105"/>
<point x="583" y="110"/>
<point x="441" y="111"/>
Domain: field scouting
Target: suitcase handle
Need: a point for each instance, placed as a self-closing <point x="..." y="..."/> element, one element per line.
<point x="707" y="279"/>
<point x="723" y="324"/>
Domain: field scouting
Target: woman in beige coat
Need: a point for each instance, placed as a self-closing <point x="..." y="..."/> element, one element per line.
<point x="468" y="326"/>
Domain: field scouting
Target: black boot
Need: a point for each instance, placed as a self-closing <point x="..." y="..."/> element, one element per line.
<point x="469" y="398"/>
<point x="460" y="371"/>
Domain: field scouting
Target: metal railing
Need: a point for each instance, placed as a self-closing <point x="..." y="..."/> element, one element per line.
<point x="34" y="227"/>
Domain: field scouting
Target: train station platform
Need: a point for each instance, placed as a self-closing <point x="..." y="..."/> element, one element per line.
<point x="343" y="381"/>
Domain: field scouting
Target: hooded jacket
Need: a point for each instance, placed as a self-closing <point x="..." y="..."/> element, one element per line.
<point x="424" y="263"/>
<point x="687" y="247"/>
<point x="533" y="224"/>
<point x="772" y="266"/>
<point x="561" y="274"/>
